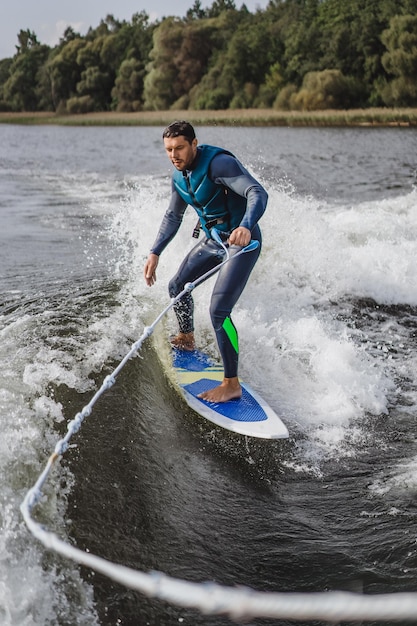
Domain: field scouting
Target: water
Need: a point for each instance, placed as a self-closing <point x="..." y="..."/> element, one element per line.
<point x="328" y="336"/>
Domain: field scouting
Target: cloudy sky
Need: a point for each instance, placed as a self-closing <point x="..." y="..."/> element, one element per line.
<point x="49" y="18"/>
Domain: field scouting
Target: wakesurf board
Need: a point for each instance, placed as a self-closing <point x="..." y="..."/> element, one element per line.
<point x="196" y="372"/>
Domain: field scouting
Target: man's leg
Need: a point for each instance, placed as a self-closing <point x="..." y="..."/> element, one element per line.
<point x="203" y="257"/>
<point x="230" y="283"/>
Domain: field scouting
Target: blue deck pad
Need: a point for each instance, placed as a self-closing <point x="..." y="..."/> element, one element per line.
<point x="246" y="409"/>
<point x="194" y="361"/>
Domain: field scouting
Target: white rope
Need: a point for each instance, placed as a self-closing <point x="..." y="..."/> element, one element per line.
<point x="210" y="598"/>
<point x="238" y="603"/>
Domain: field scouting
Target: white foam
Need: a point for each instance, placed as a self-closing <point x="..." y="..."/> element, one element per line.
<point x="402" y="478"/>
<point x="30" y="594"/>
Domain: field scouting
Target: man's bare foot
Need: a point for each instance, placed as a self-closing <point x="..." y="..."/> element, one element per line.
<point x="229" y="389"/>
<point x="183" y="341"/>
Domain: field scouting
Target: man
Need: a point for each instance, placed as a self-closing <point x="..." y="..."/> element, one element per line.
<point x="226" y="197"/>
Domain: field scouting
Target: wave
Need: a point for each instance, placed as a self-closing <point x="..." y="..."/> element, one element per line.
<point x="298" y="319"/>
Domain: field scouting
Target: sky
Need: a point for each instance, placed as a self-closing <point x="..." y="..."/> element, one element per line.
<point x="48" y="19"/>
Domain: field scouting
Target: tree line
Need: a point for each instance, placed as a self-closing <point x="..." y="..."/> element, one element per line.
<point x="294" y="55"/>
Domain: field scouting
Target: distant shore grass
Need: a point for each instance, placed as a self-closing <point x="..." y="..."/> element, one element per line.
<point x="373" y="117"/>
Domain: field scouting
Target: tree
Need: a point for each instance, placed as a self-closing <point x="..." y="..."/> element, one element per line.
<point x="220" y="6"/>
<point x="248" y="59"/>
<point x="97" y="84"/>
<point x="69" y="35"/>
<point x="5" y="66"/>
<point x="128" y="89"/>
<point x="400" y="61"/>
<point x="128" y="51"/>
<point x="271" y="87"/>
<point x="20" y="88"/>
<point x="160" y="87"/>
<point x="97" y="77"/>
<point x="350" y="39"/>
<point x="328" y="89"/>
<point x="218" y="83"/>
<point x="297" y="27"/>
<point x="27" y="40"/>
<point x="196" y="12"/>
<point x="63" y="72"/>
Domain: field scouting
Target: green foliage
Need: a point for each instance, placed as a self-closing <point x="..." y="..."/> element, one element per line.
<point x="269" y="89"/>
<point x="83" y="104"/>
<point x="161" y="84"/>
<point x="128" y="88"/>
<point x="284" y="98"/>
<point x="400" y="61"/>
<point x="301" y="36"/>
<point x="328" y="89"/>
<point x="62" y="73"/>
<point x="247" y="61"/>
<point x="196" y="12"/>
<point x="295" y="54"/>
<point x="220" y="6"/>
<point x="351" y="40"/>
<point x="19" y="91"/>
<point x="5" y="66"/>
<point x="183" y="52"/>
<point x="233" y="65"/>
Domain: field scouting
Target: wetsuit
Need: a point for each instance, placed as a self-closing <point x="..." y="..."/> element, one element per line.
<point x="232" y="183"/>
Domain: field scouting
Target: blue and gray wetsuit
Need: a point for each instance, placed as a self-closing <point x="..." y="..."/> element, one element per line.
<point x="225" y="196"/>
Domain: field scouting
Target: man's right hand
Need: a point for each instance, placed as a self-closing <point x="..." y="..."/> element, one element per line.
<point x="149" y="271"/>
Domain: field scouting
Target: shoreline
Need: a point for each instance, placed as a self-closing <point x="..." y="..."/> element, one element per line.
<point x="374" y="117"/>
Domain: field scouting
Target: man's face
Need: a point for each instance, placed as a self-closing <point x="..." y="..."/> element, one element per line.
<point x="180" y="151"/>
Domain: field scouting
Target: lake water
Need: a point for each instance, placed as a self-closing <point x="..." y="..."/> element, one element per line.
<point x="327" y="330"/>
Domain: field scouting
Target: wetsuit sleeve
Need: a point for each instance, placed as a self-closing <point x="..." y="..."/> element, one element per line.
<point x="170" y="223"/>
<point x="226" y="170"/>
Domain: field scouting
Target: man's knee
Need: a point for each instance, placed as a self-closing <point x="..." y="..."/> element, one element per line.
<point x="218" y="313"/>
<point x="174" y="287"/>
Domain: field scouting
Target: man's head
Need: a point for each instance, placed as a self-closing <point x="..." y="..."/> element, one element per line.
<point x="180" y="144"/>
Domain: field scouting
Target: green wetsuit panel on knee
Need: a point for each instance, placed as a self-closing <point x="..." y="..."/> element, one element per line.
<point x="231" y="332"/>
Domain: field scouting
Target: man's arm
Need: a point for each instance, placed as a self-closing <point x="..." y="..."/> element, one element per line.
<point x="228" y="171"/>
<point x="167" y="230"/>
<point x="170" y="223"/>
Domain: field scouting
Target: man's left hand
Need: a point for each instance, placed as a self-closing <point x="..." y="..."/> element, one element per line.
<point x="241" y="236"/>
